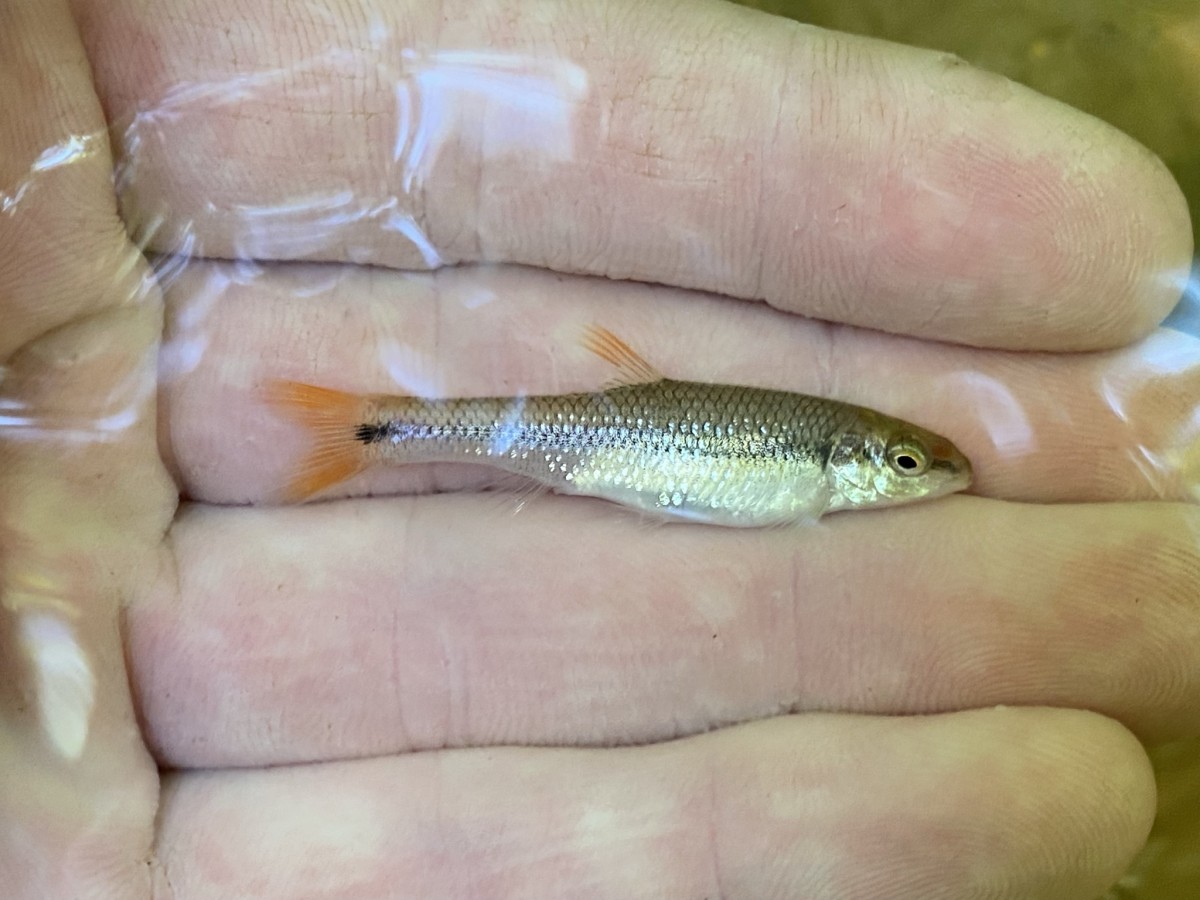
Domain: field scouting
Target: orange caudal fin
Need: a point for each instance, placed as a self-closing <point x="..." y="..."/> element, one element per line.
<point x="631" y="368"/>
<point x="332" y="419"/>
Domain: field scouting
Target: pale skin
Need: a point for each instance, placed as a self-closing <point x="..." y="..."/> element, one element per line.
<point x="948" y="700"/>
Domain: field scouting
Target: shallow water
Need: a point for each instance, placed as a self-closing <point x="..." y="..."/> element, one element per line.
<point x="377" y="626"/>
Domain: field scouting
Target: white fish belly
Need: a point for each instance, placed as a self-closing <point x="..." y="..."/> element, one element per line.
<point x="697" y="487"/>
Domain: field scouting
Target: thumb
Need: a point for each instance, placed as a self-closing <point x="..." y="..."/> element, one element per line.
<point x="82" y="494"/>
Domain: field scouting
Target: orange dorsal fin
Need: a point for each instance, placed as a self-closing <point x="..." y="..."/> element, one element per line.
<point x="332" y="419"/>
<point x="631" y="368"/>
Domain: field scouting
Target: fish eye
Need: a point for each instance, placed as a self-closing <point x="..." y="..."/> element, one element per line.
<point x="908" y="458"/>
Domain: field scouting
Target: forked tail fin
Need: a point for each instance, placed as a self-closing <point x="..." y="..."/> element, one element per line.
<point x="332" y="419"/>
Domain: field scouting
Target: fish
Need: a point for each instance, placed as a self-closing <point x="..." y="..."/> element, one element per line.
<point x="719" y="454"/>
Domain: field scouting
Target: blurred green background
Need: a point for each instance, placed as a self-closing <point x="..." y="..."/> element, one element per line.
<point x="1136" y="65"/>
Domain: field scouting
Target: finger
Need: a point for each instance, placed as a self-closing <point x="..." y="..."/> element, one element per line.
<point x="58" y="221"/>
<point x="834" y="176"/>
<point x="1002" y="803"/>
<point x="77" y="789"/>
<point x="360" y="628"/>
<point x="1112" y="426"/>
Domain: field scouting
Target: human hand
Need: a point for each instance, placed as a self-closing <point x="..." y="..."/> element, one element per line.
<point x="839" y="178"/>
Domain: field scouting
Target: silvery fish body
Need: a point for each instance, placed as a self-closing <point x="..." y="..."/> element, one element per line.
<point x="714" y="453"/>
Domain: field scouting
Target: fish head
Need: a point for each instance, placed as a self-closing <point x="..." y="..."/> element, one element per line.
<point x="881" y="461"/>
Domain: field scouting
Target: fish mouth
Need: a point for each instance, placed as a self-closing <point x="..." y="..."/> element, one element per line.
<point x="948" y="460"/>
<point x="957" y="470"/>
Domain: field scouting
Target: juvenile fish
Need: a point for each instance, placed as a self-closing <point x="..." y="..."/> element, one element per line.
<point x="714" y="453"/>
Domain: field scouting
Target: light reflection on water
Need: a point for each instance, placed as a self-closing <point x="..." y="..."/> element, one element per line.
<point x="1185" y="316"/>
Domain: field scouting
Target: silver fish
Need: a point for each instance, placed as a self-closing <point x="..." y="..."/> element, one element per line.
<point x="713" y="453"/>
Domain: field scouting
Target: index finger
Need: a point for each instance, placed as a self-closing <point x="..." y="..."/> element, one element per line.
<point x="700" y="145"/>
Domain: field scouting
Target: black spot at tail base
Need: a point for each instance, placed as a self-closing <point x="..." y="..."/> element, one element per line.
<point x="370" y="434"/>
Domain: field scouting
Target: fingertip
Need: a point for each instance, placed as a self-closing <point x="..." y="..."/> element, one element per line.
<point x="1129" y="798"/>
<point x="1074" y="802"/>
<point x="999" y="217"/>
<point x="1136" y="285"/>
<point x="1004" y="802"/>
